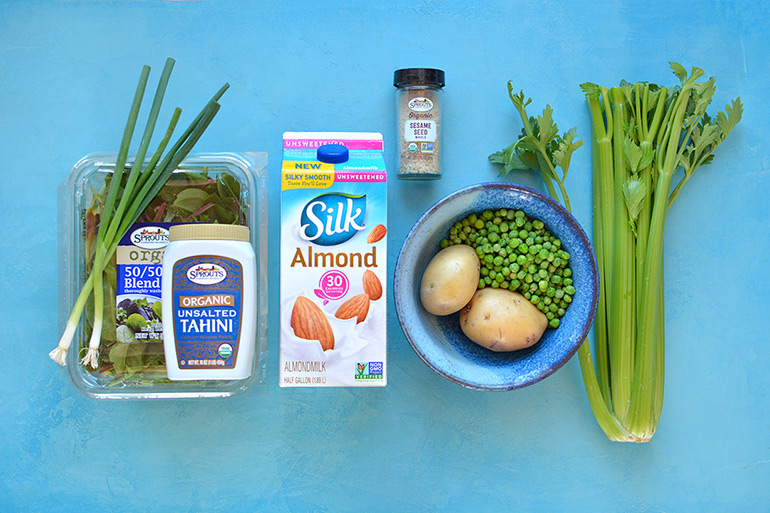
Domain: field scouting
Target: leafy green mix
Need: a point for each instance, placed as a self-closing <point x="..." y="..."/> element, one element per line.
<point x="188" y="197"/>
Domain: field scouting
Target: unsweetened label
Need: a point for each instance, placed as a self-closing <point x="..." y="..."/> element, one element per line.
<point x="207" y="294"/>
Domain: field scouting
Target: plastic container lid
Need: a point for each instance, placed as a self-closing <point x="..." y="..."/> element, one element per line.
<point x="332" y="153"/>
<point x="208" y="231"/>
<point x="411" y="76"/>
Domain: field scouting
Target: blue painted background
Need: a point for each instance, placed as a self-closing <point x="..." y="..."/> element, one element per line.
<point x="67" y="73"/>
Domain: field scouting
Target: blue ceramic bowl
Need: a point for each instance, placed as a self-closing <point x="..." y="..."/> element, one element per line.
<point x="440" y="342"/>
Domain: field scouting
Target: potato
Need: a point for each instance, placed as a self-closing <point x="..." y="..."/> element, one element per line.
<point x="502" y="320"/>
<point x="450" y="280"/>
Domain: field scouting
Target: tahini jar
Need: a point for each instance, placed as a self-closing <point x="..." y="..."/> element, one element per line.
<point x="209" y="302"/>
<point x="418" y="118"/>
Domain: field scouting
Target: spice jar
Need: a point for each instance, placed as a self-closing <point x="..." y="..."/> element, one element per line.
<point x="418" y="114"/>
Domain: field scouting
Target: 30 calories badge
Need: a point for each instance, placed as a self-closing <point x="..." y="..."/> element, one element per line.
<point x="332" y="285"/>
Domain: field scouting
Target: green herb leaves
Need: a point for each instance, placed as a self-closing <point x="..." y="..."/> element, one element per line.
<point x="539" y="147"/>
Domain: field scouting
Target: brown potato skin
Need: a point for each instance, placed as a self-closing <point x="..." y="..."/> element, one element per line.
<point x="450" y="280"/>
<point x="502" y="321"/>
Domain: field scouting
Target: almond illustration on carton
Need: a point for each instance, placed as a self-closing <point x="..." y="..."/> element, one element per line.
<point x="377" y="233"/>
<point x="372" y="285"/>
<point x="357" y="306"/>
<point x="309" y="322"/>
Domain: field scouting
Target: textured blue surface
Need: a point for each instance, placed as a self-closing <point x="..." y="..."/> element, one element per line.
<point x="440" y="341"/>
<point x="422" y="443"/>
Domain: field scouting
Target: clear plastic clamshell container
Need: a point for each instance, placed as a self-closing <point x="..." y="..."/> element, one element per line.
<point x="208" y="187"/>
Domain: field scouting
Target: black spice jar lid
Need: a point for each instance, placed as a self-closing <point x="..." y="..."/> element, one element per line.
<point x="411" y="76"/>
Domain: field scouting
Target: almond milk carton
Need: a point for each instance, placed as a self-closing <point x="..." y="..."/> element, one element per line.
<point x="333" y="260"/>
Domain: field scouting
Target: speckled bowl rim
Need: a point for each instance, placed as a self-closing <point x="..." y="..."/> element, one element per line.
<point x="594" y="279"/>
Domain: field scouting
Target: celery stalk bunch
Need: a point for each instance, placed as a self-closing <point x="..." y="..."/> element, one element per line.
<point x="643" y="135"/>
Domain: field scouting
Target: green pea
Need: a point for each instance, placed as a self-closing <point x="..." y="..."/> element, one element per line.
<point x="444" y="244"/>
<point x="554" y="323"/>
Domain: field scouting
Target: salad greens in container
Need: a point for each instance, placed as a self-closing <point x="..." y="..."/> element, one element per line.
<point x="225" y="188"/>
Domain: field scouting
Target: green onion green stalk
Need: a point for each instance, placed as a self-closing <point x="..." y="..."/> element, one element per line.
<point x="643" y="135"/>
<point x="127" y="199"/>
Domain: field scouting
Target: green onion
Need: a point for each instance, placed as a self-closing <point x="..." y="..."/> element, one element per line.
<point x="141" y="187"/>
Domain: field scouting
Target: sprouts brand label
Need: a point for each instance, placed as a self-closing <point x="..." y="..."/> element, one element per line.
<point x="150" y="237"/>
<point x="138" y="282"/>
<point x="420" y="104"/>
<point x="333" y="263"/>
<point x="206" y="273"/>
<point x="207" y="293"/>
